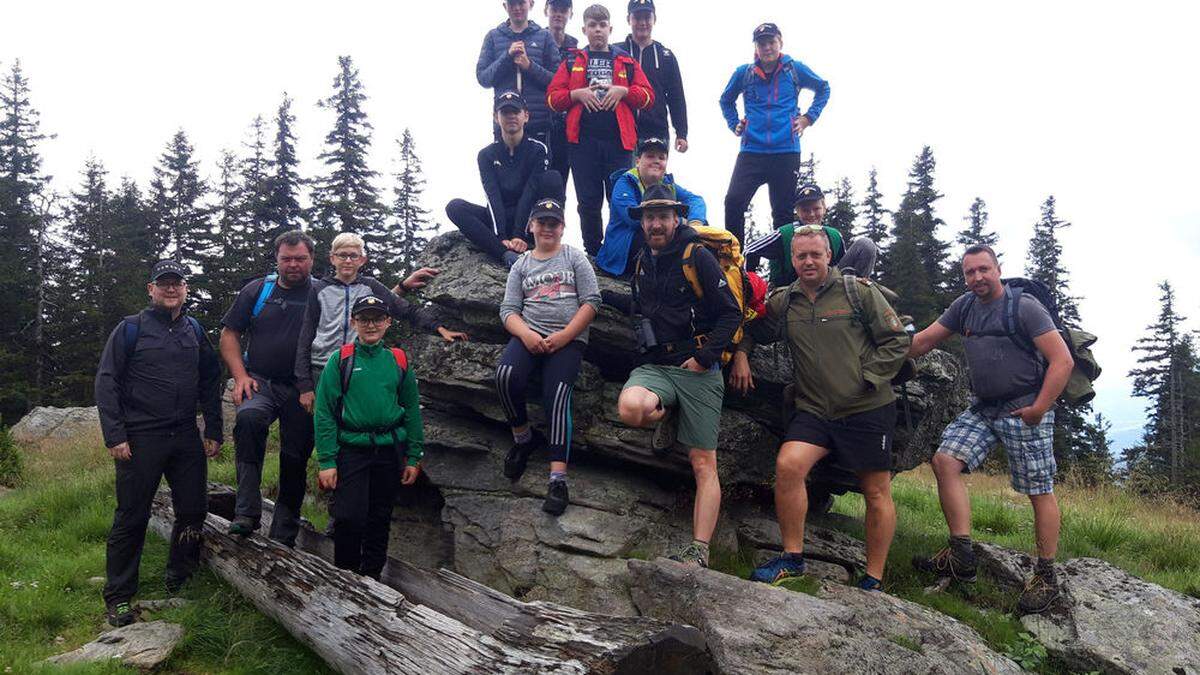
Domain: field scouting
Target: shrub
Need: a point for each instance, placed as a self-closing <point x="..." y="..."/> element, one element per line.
<point x="11" y="466"/>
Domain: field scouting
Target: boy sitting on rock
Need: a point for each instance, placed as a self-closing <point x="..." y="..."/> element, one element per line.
<point x="368" y="431"/>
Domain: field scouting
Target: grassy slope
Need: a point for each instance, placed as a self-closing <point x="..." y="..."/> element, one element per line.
<point x="52" y="532"/>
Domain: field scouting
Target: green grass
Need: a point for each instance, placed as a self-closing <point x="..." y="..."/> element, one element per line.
<point x="52" y="541"/>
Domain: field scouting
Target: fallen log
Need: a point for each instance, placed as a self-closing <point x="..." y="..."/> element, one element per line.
<point x="421" y="621"/>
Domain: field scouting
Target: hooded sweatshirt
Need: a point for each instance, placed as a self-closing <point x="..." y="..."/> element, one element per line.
<point x="662" y="70"/>
<point x="496" y="70"/>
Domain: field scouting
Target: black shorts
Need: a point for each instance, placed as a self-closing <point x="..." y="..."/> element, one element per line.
<point x="861" y="442"/>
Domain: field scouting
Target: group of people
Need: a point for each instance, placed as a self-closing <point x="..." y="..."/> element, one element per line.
<point x="310" y="354"/>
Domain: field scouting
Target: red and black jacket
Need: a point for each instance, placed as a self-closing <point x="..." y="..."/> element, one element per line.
<point x="572" y="75"/>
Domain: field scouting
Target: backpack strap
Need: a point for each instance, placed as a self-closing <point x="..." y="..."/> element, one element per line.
<point x="401" y="360"/>
<point x="850" y="283"/>
<point x="268" y="287"/>
<point x="689" y="269"/>
<point x="1012" y="322"/>
<point x="345" y="370"/>
<point x="197" y="329"/>
<point x="132" y="327"/>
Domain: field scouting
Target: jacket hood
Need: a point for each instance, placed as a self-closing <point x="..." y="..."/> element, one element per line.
<point x="507" y="30"/>
<point x="784" y="60"/>
<point x="632" y="175"/>
<point x="616" y="49"/>
<point x="331" y="278"/>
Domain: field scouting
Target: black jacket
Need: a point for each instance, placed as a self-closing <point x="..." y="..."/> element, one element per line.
<point x="662" y="69"/>
<point x="663" y="294"/>
<point x="158" y="388"/>
<point x="511" y="181"/>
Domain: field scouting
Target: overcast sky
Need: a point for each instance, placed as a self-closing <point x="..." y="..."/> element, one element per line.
<point x="1094" y="102"/>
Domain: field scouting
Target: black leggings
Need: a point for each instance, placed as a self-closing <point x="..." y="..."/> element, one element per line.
<point x="478" y="226"/>
<point x="558" y="371"/>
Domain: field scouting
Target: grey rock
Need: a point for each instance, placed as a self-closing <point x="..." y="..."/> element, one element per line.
<point x="43" y="424"/>
<point x="756" y="628"/>
<point x="1106" y="619"/>
<point x="762" y="533"/>
<point x="162" y="605"/>
<point x="138" y="645"/>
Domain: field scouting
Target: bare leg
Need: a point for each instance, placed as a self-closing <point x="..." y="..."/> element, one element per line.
<point x="952" y="492"/>
<point x="881" y="518"/>
<point x="638" y="407"/>
<point x="708" y="493"/>
<point x="792" y="465"/>
<point x="1046" y="523"/>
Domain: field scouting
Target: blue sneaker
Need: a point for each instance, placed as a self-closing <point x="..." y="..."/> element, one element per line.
<point x="777" y="569"/>
<point x="870" y="583"/>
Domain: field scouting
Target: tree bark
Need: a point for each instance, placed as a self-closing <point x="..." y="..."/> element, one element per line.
<point x="421" y="621"/>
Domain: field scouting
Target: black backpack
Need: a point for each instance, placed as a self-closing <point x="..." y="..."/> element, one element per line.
<point x="1079" y="390"/>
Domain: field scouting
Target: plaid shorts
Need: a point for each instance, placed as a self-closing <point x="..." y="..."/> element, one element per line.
<point x="971" y="436"/>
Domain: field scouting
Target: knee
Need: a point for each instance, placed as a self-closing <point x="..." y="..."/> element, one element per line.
<point x="945" y="466"/>
<point x="791" y="469"/>
<point x="877" y="495"/>
<point x="455" y="208"/>
<point x="704" y="465"/>
<point x="251" y="422"/>
<point x="633" y="409"/>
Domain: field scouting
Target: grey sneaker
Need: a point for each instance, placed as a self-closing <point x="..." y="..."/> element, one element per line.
<point x="664" y="434"/>
<point x="120" y="614"/>
<point x="691" y="555"/>
<point x="243" y="526"/>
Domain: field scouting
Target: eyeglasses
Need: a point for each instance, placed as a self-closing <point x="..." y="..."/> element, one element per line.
<point x="377" y="321"/>
<point x="347" y="257"/>
<point x="170" y="283"/>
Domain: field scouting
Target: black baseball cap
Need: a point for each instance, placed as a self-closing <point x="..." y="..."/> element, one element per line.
<point x="652" y="143"/>
<point x="510" y="99"/>
<point x="559" y="3"/>
<point x="641" y="6"/>
<point x="369" y="304"/>
<point x="547" y="208"/>
<point x="809" y="192"/>
<point x="766" y="30"/>
<point x="164" y="268"/>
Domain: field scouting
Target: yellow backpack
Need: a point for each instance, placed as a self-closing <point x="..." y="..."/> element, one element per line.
<point x="728" y="251"/>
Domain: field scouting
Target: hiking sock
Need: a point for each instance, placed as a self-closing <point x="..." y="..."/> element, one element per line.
<point x="798" y="557"/>
<point x="558" y="475"/>
<point x="523" y="436"/>
<point x="1045" y="569"/>
<point x="961" y="545"/>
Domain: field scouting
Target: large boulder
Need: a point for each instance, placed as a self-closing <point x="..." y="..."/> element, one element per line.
<point x="57" y="425"/>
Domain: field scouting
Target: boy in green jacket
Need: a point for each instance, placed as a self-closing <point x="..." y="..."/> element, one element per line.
<point x="368" y="430"/>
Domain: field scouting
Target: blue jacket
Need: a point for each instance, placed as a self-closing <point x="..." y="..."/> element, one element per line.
<point x="771" y="104"/>
<point x="620" y="234"/>
<point x="495" y="68"/>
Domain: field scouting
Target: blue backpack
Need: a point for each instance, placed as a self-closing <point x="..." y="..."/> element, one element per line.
<point x="269" y="283"/>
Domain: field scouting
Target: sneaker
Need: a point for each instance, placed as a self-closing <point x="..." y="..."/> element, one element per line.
<point x="120" y="614"/>
<point x="691" y="555"/>
<point x="243" y="526"/>
<point x="777" y="569"/>
<point x="1040" y="593"/>
<point x="664" y="434"/>
<point x="174" y="583"/>
<point x="870" y="583"/>
<point x="949" y="563"/>
<point x="557" y="498"/>
<point x="518" y="456"/>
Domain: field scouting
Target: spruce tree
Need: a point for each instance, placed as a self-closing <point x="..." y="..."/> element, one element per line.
<point x="228" y="267"/>
<point x="345" y="199"/>
<point x="1044" y="261"/>
<point x="51" y="306"/>
<point x="843" y="213"/>
<point x="255" y="188"/>
<point x="133" y="224"/>
<point x="181" y="221"/>
<point x="807" y="172"/>
<point x="976" y="230"/>
<point x="400" y="252"/>
<point x="918" y="266"/>
<point x="875" y="226"/>
<point x="283" y="205"/>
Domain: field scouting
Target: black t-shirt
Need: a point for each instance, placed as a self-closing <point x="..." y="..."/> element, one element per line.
<point x="601" y="125"/>
<point x="272" y="336"/>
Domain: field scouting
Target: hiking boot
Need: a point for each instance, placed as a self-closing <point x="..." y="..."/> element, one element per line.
<point x="518" y="456"/>
<point x="1040" y="592"/>
<point x="870" y="583"/>
<point x="778" y="568"/>
<point x="664" y="434"/>
<point x="958" y="565"/>
<point x="692" y="554"/>
<point x="120" y="614"/>
<point x="173" y="583"/>
<point x="243" y="526"/>
<point x="557" y="498"/>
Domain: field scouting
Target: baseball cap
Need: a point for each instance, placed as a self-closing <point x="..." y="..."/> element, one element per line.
<point x="559" y="3"/>
<point x="368" y="304"/>
<point x="163" y="268"/>
<point x="547" y="208"/>
<point x="641" y="6"/>
<point x="652" y="143"/>
<point x="510" y="99"/>
<point x="809" y="192"/>
<point x="767" y="30"/>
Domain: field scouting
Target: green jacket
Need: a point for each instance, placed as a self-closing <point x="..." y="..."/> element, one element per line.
<point x="370" y="404"/>
<point x="842" y="363"/>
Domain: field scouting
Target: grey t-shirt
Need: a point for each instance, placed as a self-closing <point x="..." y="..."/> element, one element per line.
<point x="1004" y="377"/>
<point x="548" y="293"/>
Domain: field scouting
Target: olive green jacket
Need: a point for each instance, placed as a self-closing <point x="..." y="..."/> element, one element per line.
<point x="842" y="363"/>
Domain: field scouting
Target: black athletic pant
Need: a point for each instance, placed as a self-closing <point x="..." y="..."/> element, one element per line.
<point x="476" y="224"/>
<point x="593" y="163"/>
<point x="179" y="457"/>
<point x="559" y="148"/>
<point x="558" y="372"/>
<point x="779" y="172"/>
<point x="274" y="400"/>
<point x="367" y="482"/>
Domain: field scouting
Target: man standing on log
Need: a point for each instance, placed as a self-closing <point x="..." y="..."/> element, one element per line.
<point x="156" y="368"/>
<point x="681" y="337"/>
<point x="1015" y="388"/>
<point x="269" y="313"/>
<point x="846" y="344"/>
<point x="770" y="129"/>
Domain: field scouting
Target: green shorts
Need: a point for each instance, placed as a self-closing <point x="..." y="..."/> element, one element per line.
<point x="697" y="396"/>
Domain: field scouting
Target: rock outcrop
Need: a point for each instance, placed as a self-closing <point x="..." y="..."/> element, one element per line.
<point x="138" y="645"/>
<point x="56" y="425"/>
